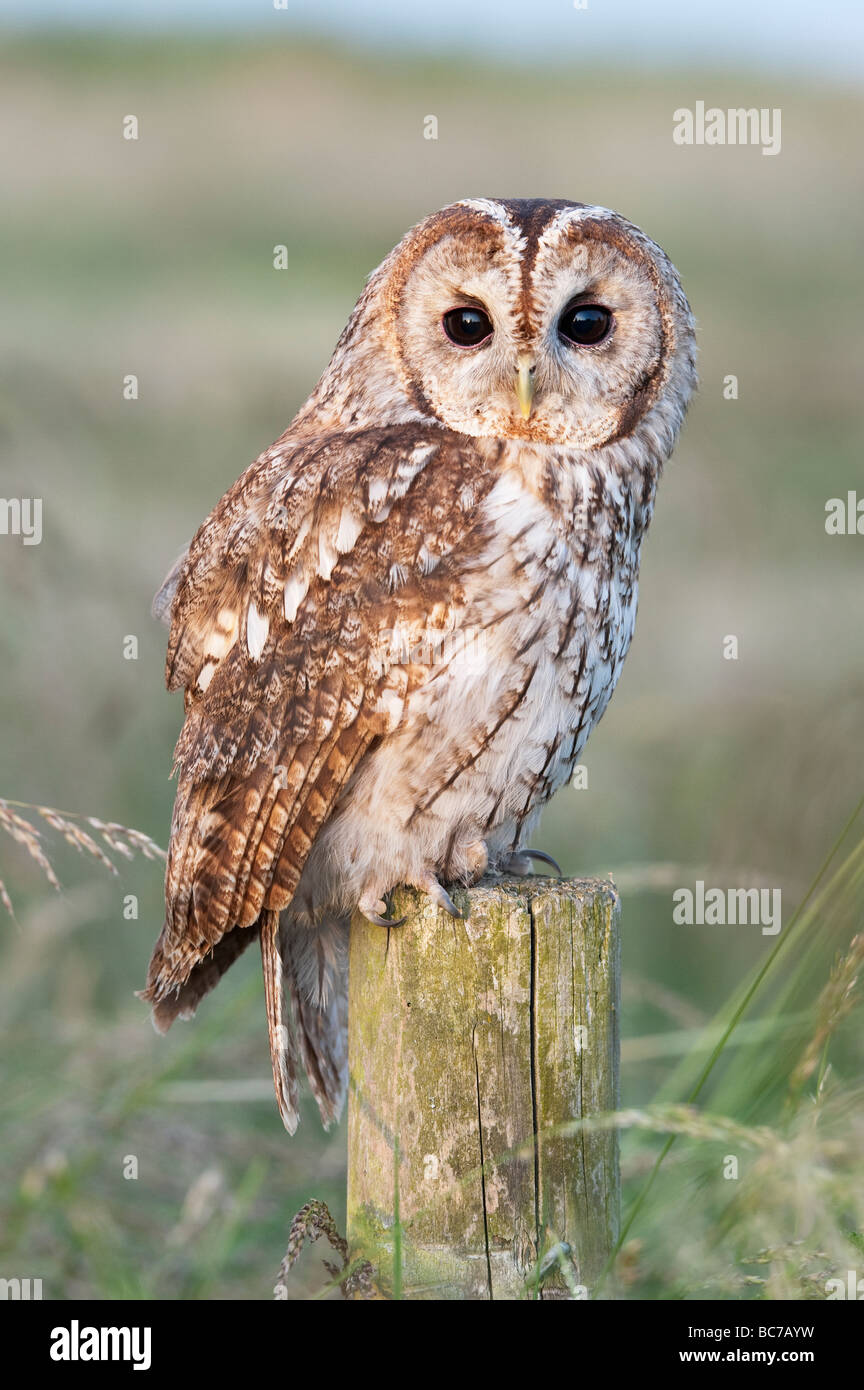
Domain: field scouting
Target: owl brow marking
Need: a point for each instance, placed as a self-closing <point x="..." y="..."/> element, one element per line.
<point x="461" y="299"/>
<point x="533" y="217"/>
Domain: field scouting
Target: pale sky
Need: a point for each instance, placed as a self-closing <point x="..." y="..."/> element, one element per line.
<point x="825" y="39"/>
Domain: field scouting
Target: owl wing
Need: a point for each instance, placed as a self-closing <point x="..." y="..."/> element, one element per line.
<point x="282" y="621"/>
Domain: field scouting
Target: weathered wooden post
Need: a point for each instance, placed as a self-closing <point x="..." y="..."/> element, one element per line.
<point x="468" y="1038"/>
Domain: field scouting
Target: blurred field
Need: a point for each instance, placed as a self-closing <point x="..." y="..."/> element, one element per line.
<point x="155" y="258"/>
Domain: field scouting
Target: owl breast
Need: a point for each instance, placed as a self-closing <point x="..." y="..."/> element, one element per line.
<point x="526" y="672"/>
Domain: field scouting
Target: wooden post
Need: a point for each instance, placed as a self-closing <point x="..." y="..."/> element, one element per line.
<point x="466" y="1039"/>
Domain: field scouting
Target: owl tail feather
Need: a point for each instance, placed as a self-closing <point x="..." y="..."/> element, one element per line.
<point x="311" y="1025"/>
<point x="316" y="972"/>
<point x="283" y="1050"/>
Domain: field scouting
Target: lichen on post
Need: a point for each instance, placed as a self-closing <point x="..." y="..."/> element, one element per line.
<point x="467" y="1038"/>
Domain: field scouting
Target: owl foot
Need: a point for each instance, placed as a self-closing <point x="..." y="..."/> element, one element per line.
<point x="429" y="884"/>
<point x="519" y="863"/>
<point x="476" y="857"/>
<point x="373" y="909"/>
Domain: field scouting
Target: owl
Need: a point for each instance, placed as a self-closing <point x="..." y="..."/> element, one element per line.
<point x="398" y="628"/>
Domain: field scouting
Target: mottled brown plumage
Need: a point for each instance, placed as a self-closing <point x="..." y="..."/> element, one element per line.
<point x="397" y="629"/>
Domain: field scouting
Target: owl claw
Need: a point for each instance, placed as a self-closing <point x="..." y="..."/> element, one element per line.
<point x="545" y="859"/>
<point x="372" y="914"/>
<point x="439" y="896"/>
<point x="443" y="899"/>
<point x="516" y="862"/>
<point x="384" y="921"/>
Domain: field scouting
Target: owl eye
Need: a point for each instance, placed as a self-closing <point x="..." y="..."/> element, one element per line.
<point x="467" y="327"/>
<point x="585" y="324"/>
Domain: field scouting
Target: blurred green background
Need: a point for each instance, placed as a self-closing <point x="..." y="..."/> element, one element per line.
<point x="155" y="257"/>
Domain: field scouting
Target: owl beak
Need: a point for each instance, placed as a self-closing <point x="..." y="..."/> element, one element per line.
<point x="525" y="384"/>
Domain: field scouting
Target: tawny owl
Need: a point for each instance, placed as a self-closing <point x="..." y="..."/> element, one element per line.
<point x="398" y="628"/>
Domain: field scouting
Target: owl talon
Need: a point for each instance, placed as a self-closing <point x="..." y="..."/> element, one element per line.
<point x="545" y="859"/>
<point x="439" y="896"/>
<point x="384" y="921"/>
<point x="519" y="862"/>
<point x="372" y="914"/>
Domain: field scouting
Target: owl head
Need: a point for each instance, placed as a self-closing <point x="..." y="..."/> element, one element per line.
<point x="541" y="320"/>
